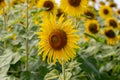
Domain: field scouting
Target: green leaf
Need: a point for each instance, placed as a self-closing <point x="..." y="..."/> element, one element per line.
<point x="107" y="67"/>
<point x="8" y="78"/>
<point x="8" y="58"/>
<point x="15" y="58"/>
<point x="72" y="65"/>
<point x="67" y="76"/>
<point x="26" y="75"/>
<point x="5" y="61"/>
<point x="42" y="9"/>
<point x="88" y="65"/>
<point x="98" y="39"/>
<point x="4" y="70"/>
<point x="52" y="75"/>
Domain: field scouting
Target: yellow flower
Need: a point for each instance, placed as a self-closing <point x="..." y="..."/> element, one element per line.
<point x="112" y="22"/>
<point x="94" y="1"/>
<point x="15" y="2"/>
<point x="23" y="14"/>
<point x="105" y="12"/>
<point x="101" y="3"/>
<point x="1" y="12"/>
<point x="57" y="39"/>
<point x="36" y="22"/>
<point x="49" y="4"/>
<point x="87" y="39"/>
<point x="111" y="36"/>
<point x="74" y="7"/>
<point x="112" y="5"/>
<point x="14" y="36"/>
<point x="2" y="3"/>
<point x="9" y="28"/>
<point x="107" y="0"/>
<point x="89" y="13"/>
<point x="92" y="27"/>
<point x="118" y="12"/>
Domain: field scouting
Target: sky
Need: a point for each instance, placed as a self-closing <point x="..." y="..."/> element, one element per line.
<point x="116" y="1"/>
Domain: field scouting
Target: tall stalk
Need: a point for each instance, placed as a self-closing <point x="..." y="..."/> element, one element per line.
<point x="5" y="17"/>
<point x="27" y="45"/>
<point x="5" y="25"/>
<point x="63" y="69"/>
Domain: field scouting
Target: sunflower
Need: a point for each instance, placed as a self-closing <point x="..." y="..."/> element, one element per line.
<point x="58" y="39"/>
<point x="74" y="7"/>
<point x="94" y="1"/>
<point x="2" y="3"/>
<point x="112" y="5"/>
<point x="1" y="12"/>
<point x="89" y="13"/>
<point x="86" y="38"/>
<point x="50" y="5"/>
<point x="92" y="26"/>
<point x="107" y="0"/>
<point x="118" y="12"/>
<point x="111" y="36"/>
<point x="36" y="22"/>
<point x="13" y="36"/>
<point x="105" y="12"/>
<point x="112" y="22"/>
<point x="16" y="2"/>
<point x="101" y="3"/>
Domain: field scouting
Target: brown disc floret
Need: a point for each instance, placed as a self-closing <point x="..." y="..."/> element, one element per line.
<point x="57" y="39"/>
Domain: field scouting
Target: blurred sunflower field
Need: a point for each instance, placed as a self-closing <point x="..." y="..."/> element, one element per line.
<point x="72" y="40"/>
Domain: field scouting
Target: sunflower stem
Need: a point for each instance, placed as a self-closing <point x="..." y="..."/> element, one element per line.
<point x="76" y="26"/>
<point x="63" y="69"/>
<point x="27" y="45"/>
<point x="5" y="24"/>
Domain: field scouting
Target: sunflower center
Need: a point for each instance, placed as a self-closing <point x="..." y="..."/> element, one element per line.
<point x="113" y="5"/>
<point x="106" y="11"/>
<point x="58" y="39"/>
<point x="74" y="3"/>
<point x="1" y="1"/>
<point x="113" y="23"/>
<point x="101" y="3"/>
<point x="119" y="12"/>
<point x="49" y="5"/>
<point x="93" y="28"/>
<point x="110" y="34"/>
<point x="93" y="0"/>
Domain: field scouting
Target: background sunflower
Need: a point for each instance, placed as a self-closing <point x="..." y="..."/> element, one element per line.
<point x="50" y="5"/>
<point x="111" y="36"/>
<point x="92" y="26"/>
<point x="112" y="22"/>
<point x="73" y="7"/>
<point x="105" y="12"/>
<point x="90" y="13"/>
<point x="118" y="12"/>
<point x="2" y="3"/>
